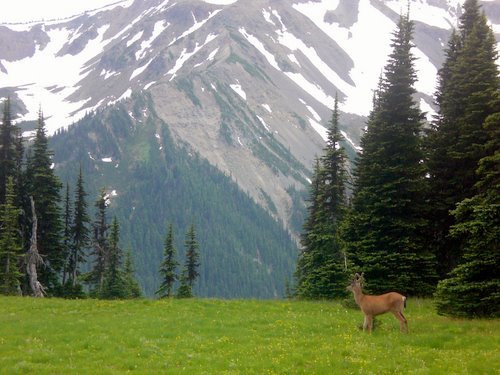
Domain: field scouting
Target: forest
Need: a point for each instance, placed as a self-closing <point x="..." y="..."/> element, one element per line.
<point x="239" y="243"/>
<point x="423" y="218"/>
<point x="418" y="213"/>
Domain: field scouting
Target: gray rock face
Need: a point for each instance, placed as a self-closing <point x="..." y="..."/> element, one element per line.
<point x="249" y="85"/>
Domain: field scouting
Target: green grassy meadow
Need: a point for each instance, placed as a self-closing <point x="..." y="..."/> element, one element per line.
<point x="204" y="336"/>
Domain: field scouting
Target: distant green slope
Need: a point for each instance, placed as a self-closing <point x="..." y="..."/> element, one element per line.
<point x="244" y="251"/>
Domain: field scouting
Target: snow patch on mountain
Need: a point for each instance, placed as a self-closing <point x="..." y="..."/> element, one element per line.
<point x="138" y="71"/>
<point x="159" y="27"/>
<point x="267" y="107"/>
<point x="37" y="88"/>
<point x="135" y="38"/>
<point x="221" y="2"/>
<point x="355" y="41"/>
<point x="237" y="89"/>
<point x="348" y="139"/>
<point x="260" y="47"/>
<point x="264" y="124"/>
<point x="428" y="13"/>
<point x="290" y="41"/>
<point x="320" y="129"/>
<point x="187" y="55"/>
<point x="197" y="25"/>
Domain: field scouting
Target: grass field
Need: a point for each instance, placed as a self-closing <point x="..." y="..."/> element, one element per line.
<point x="53" y="336"/>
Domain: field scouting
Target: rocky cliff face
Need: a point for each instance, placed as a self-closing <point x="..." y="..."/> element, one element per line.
<point x="249" y="85"/>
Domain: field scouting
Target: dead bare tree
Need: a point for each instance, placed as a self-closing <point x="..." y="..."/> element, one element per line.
<point x="33" y="258"/>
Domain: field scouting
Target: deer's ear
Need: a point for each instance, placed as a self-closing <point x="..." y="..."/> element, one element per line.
<point x="356" y="276"/>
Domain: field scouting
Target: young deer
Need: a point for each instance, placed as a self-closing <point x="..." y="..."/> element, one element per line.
<point x="376" y="305"/>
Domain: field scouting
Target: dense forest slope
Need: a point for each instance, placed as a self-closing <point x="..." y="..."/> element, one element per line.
<point x="244" y="251"/>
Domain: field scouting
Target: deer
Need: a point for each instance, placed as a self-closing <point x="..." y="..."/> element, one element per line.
<point x="372" y="306"/>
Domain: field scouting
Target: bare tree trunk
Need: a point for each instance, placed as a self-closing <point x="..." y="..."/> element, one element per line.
<point x="33" y="258"/>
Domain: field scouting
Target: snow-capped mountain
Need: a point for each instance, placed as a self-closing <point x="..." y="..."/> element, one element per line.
<point x="247" y="84"/>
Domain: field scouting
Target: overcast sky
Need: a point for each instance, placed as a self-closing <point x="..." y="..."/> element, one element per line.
<point x="37" y="10"/>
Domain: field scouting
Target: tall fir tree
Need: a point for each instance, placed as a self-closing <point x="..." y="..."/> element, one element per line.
<point x="467" y="94"/>
<point x="168" y="267"/>
<point x="384" y="233"/>
<point x="326" y="275"/>
<point x="114" y="282"/>
<point x="192" y="256"/>
<point x="473" y="287"/>
<point x="99" y="253"/>
<point x="130" y="282"/>
<point x="68" y="221"/>
<point x="44" y="186"/>
<point x="11" y="254"/>
<point x="310" y="238"/>
<point x="8" y="148"/>
<point x="80" y="232"/>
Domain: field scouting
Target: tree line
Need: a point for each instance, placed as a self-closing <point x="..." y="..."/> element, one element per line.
<point x="423" y="217"/>
<point x="51" y="246"/>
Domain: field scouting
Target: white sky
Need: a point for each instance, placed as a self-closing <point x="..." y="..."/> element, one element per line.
<point x="37" y="10"/>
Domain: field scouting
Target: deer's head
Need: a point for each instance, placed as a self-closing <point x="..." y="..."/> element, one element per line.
<point x="356" y="283"/>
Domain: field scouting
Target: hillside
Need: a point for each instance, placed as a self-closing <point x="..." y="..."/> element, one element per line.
<point x="212" y="113"/>
<point x="247" y="85"/>
<point x="244" y="251"/>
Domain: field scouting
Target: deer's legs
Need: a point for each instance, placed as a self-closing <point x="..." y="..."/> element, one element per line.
<point x="368" y="324"/>
<point x="403" y="323"/>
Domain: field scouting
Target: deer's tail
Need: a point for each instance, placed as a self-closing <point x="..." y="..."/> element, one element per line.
<point x="404" y="302"/>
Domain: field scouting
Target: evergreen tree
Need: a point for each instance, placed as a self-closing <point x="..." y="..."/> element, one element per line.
<point x="306" y="262"/>
<point x="130" y="282"/>
<point x="80" y="232"/>
<point x="326" y="273"/>
<point x="384" y="234"/>
<point x="192" y="256"/>
<point x="185" y="290"/>
<point x="44" y="186"/>
<point x="95" y="278"/>
<point x="10" y="244"/>
<point x="168" y="266"/>
<point x="8" y="148"/>
<point x="467" y="95"/>
<point x="473" y="288"/>
<point x="22" y="196"/>
<point x="67" y="218"/>
<point x="114" y="282"/>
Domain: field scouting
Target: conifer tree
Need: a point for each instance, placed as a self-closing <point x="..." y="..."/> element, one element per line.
<point x="95" y="278"/>
<point x="473" y="288"/>
<point x="306" y="262"/>
<point x="467" y="95"/>
<point x="10" y="244"/>
<point x="8" y="148"/>
<point x="322" y="264"/>
<point x="192" y="256"/>
<point x="185" y="290"/>
<point x="44" y="186"/>
<point x="80" y="232"/>
<point x="168" y="267"/>
<point x="384" y="234"/>
<point x="114" y="282"/>
<point x="67" y="218"/>
<point x="130" y="282"/>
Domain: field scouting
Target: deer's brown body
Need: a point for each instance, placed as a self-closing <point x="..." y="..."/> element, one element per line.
<point x="377" y="305"/>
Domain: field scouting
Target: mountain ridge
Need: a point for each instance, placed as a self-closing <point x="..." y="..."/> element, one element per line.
<point x="249" y="86"/>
